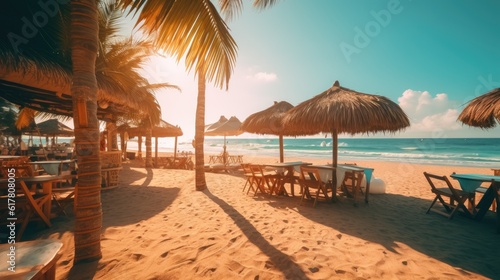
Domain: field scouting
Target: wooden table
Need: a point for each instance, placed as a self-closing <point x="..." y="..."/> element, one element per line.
<point x="47" y="182"/>
<point x="341" y="169"/>
<point x="470" y="182"/>
<point x="286" y="171"/>
<point x="53" y="167"/>
<point x="33" y="259"/>
<point x="2" y="157"/>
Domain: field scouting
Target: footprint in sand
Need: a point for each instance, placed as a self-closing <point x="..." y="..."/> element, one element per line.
<point x="313" y="269"/>
<point x="137" y="257"/>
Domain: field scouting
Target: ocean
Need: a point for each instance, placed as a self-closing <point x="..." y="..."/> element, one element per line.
<point x="476" y="152"/>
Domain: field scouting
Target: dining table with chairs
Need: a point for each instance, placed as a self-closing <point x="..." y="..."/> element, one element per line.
<point x="355" y="172"/>
<point x="286" y="174"/>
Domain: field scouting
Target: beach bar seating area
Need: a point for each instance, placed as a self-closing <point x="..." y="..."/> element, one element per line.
<point x="34" y="186"/>
<point x="45" y="189"/>
<point x="313" y="181"/>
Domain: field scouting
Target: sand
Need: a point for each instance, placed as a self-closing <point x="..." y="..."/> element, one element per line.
<point x="156" y="226"/>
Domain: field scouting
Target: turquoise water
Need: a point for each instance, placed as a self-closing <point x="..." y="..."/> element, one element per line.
<point x="482" y="152"/>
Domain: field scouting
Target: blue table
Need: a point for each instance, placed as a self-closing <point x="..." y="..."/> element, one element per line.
<point x="470" y="182"/>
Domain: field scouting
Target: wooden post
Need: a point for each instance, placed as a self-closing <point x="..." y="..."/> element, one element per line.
<point x="156" y="151"/>
<point x="139" y="147"/>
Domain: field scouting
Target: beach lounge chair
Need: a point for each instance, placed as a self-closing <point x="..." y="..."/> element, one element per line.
<point x="311" y="182"/>
<point x="451" y="198"/>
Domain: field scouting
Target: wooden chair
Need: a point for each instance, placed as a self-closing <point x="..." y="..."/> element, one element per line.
<point x="247" y="172"/>
<point x="451" y="198"/>
<point x="264" y="182"/>
<point x="62" y="197"/>
<point x="310" y="181"/>
<point x="351" y="186"/>
<point x="28" y="206"/>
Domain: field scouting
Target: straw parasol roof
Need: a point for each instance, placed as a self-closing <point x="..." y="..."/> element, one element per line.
<point x="483" y="111"/>
<point x="342" y="110"/>
<point x="231" y="127"/>
<point x="268" y="121"/>
<point x="53" y="127"/>
<point x="164" y="129"/>
<point x="216" y="124"/>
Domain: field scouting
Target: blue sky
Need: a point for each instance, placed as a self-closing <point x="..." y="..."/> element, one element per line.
<point x="431" y="57"/>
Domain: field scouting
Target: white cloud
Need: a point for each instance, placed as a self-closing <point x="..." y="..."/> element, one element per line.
<point x="429" y="113"/>
<point x="264" y="76"/>
<point x="261" y="76"/>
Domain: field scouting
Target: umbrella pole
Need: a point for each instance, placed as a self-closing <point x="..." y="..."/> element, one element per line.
<point x="156" y="151"/>
<point x="334" y="163"/>
<point x="175" y="148"/>
<point x="224" y="155"/>
<point x="281" y="148"/>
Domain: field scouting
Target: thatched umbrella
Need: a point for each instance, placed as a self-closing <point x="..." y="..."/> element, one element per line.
<point x="163" y="129"/>
<point x="483" y="111"/>
<point x="268" y="121"/>
<point x="54" y="127"/>
<point x="342" y="110"/>
<point x="231" y="127"/>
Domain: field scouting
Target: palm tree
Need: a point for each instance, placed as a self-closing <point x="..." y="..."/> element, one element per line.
<point x="8" y="116"/>
<point x="117" y="72"/>
<point x="194" y="30"/>
<point x="88" y="211"/>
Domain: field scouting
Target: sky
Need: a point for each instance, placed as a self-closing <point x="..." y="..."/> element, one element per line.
<point x="430" y="57"/>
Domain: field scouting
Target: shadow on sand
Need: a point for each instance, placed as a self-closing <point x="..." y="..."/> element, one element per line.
<point x="460" y="242"/>
<point x="157" y="198"/>
<point x="282" y="261"/>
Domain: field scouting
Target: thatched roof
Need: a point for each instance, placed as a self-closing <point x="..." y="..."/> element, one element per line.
<point x="35" y="68"/>
<point x="230" y="127"/>
<point x="483" y="111"/>
<point x="268" y="121"/>
<point x="164" y="129"/>
<point x="52" y="127"/>
<point x="45" y="93"/>
<point x="342" y="110"/>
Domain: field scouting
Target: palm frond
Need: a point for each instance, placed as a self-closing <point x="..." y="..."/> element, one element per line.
<point x="190" y="29"/>
<point x="230" y="8"/>
<point x="262" y="4"/>
<point x="25" y="117"/>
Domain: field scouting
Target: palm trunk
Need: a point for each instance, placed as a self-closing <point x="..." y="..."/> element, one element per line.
<point x="199" y="136"/>
<point x="88" y="211"/>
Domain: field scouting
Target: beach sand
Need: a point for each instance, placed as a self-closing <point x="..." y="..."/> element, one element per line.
<point x="157" y="226"/>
